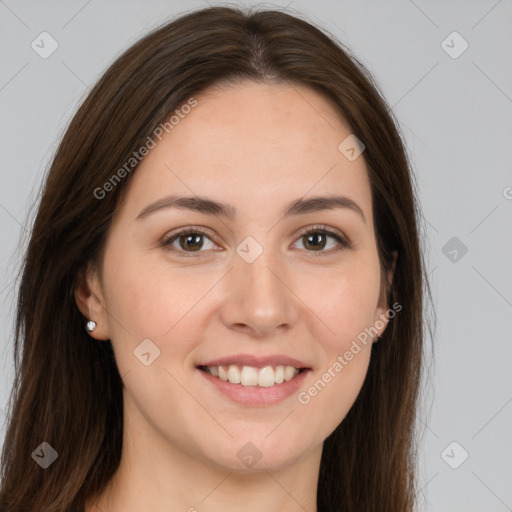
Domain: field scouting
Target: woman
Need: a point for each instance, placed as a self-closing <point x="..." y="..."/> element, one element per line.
<point x="221" y="302"/>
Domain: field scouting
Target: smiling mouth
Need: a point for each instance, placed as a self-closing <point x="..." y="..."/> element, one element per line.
<point x="252" y="376"/>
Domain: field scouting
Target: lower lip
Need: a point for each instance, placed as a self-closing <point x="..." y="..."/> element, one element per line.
<point x="256" y="395"/>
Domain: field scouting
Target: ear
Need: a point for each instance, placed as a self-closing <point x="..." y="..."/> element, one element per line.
<point x="381" y="317"/>
<point x="90" y="300"/>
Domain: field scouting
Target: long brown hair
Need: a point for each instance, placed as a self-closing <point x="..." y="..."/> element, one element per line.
<point x="67" y="389"/>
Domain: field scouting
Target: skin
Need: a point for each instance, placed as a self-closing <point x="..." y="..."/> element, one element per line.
<point x="256" y="147"/>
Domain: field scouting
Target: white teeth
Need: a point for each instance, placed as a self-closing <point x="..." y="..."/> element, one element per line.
<point x="289" y="373"/>
<point x="266" y="377"/>
<point x="251" y="376"/>
<point x="223" y="374"/>
<point x="233" y="374"/>
<point x="279" y="375"/>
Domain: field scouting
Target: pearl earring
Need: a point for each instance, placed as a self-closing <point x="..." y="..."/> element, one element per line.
<point x="90" y="325"/>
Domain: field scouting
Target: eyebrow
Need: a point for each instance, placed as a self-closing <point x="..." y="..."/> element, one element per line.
<point x="211" y="207"/>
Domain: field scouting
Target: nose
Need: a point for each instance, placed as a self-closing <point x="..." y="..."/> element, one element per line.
<point x="259" y="299"/>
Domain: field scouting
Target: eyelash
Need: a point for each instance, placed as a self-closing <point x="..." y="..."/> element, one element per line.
<point x="343" y="242"/>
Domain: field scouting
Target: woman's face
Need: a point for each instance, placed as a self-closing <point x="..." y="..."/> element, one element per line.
<point x="250" y="289"/>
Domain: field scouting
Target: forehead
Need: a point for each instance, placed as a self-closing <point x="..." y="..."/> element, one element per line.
<point x="255" y="146"/>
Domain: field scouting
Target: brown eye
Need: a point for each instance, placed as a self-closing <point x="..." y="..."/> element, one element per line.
<point x="316" y="239"/>
<point x="188" y="241"/>
<point x="193" y="242"/>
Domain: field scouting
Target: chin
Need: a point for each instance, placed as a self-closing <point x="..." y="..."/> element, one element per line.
<point x="252" y="454"/>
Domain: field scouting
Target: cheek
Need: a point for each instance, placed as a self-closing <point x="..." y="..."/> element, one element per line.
<point x="150" y="301"/>
<point x="347" y="306"/>
<point x="344" y="353"/>
<point x="328" y="398"/>
<point x="346" y="303"/>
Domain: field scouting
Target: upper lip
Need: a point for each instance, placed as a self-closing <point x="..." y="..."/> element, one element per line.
<point x="256" y="361"/>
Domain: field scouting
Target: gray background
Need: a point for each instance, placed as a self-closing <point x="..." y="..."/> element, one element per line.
<point x="456" y="115"/>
